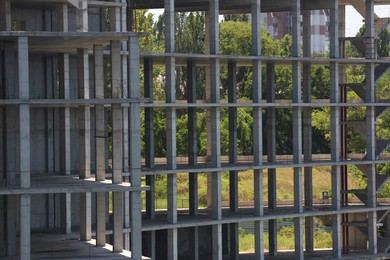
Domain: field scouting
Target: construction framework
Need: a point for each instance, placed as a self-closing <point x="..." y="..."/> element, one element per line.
<point x="70" y="113"/>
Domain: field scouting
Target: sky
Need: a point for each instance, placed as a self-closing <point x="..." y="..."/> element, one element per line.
<point x="353" y="19"/>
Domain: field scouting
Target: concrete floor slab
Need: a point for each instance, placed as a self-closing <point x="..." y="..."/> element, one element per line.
<point x="48" y="245"/>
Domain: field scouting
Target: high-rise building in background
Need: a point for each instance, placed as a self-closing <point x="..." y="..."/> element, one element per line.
<point x="280" y="24"/>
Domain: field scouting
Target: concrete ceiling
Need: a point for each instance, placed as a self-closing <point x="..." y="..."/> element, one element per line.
<point x="244" y="6"/>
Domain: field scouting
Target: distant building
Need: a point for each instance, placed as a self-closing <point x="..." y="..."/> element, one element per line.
<point x="280" y="24"/>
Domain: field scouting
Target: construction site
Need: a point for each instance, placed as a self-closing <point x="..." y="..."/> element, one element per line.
<point x="78" y="164"/>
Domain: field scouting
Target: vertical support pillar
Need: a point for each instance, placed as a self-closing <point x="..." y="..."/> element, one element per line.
<point x="192" y="136"/>
<point x="24" y="137"/>
<point x="65" y="154"/>
<point x="214" y="146"/>
<point x="134" y="143"/>
<point x="232" y="99"/>
<point x="343" y="116"/>
<point x="100" y="146"/>
<point x="84" y="123"/>
<point x="117" y="148"/>
<point x="335" y="130"/>
<point x="85" y="143"/>
<point x="65" y="149"/>
<point x="192" y="156"/>
<point x="170" y="91"/>
<point x="149" y="139"/>
<point x="297" y="129"/>
<point x="233" y="175"/>
<point x="271" y="158"/>
<point x="370" y="124"/>
<point x="5" y="15"/>
<point x="307" y="132"/>
<point x="11" y="142"/>
<point x="257" y="129"/>
<point x="82" y="16"/>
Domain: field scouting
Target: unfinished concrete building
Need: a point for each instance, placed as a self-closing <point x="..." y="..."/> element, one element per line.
<point x="71" y="106"/>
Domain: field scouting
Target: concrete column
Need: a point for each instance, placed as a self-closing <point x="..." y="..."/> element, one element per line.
<point x="65" y="147"/>
<point x="82" y="16"/>
<point x="11" y="146"/>
<point x="24" y="137"/>
<point x="85" y="143"/>
<point x="25" y="227"/>
<point x="100" y="146"/>
<point x="194" y="242"/>
<point x="121" y="17"/>
<point x="217" y="242"/>
<point x="342" y="79"/>
<point x="24" y="112"/>
<point x="271" y="154"/>
<point x="84" y="113"/>
<point x="233" y="175"/>
<point x="307" y="132"/>
<point x="335" y="130"/>
<point x="214" y="143"/>
<point x="370" y="124"/>
<point x="297" y="128"/>
<point x="11" y="211"/>
<point x="192" y="139"/>
<point x="117" y="156"/>
<point x="3" y="156"/>
<point x="5" y="15"/>
<point x="170" y="91"/>
<point x="65" y="152"/>
<point x="149" y="138"/>
<point x="232" y="98"/>
<point x="3" y="247"/>
<point x="134" y="144"/>
<point x="85" y="216"/>
<point x="62" y="14"/>
<point x="115" y="15"/>
<point x="257" y="129"/>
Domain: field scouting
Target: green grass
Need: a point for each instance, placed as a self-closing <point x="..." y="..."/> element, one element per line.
<point x="322" y="239"/>
<point x="285" y="186"/>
